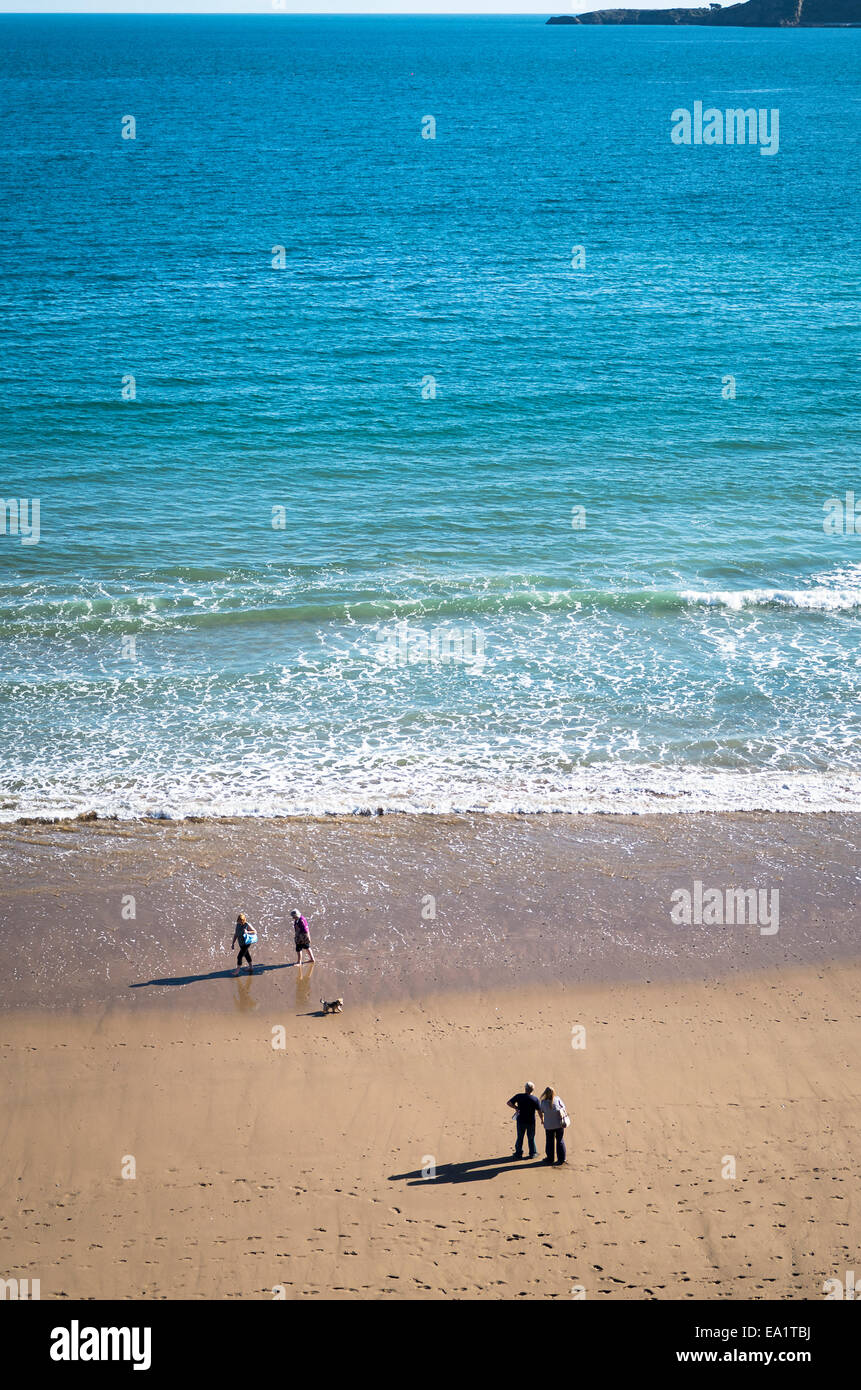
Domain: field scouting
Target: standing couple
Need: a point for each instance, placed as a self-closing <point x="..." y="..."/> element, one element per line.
<point x="556" y="1120"/>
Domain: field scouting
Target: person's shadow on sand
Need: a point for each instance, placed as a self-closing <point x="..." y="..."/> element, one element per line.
<point x="475" y="1170"/>
<point x="215" y="975"/>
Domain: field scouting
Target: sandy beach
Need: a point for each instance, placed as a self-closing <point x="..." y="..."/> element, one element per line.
<point x="298" y="1172"/>
<point x="205" y="1136"/>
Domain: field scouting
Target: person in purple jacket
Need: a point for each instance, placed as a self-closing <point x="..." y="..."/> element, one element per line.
<point x="302" y="937"/>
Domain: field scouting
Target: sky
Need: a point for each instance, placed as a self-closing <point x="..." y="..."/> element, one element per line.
<point x="292" y="7"/>
<point x="323" y="6"/>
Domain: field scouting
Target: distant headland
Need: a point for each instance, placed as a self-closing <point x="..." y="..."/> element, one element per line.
<point x="757" y="14"/>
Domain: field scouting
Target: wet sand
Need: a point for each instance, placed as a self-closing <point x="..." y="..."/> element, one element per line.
<point x="401" y="906"/>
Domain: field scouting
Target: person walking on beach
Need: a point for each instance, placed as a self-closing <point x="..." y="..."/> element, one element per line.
<point x="527" y="1107"/>
<point x="555" y="1118"/>
<point x="302" y="937"/>
<point x="244" y="936"/>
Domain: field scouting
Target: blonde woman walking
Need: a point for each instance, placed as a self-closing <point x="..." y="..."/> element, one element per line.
<point x="556" y="1121"/>
<point x="244" y="936"/>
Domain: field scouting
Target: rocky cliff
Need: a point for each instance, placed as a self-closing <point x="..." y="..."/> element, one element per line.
<point x="760" y="14"/>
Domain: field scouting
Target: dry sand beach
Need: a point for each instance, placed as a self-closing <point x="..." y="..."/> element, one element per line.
<point x="370" y="1155"/>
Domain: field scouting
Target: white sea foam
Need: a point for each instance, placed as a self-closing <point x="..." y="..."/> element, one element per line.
<point x="815" y="599"/>
<point x="430" y="789"/>
<point x="643" y="701"/>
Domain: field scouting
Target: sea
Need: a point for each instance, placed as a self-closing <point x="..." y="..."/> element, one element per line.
<point x="393" y="414"/>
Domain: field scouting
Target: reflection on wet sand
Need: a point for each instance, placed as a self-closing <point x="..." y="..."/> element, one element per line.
<point x="245" y="1001"/>
<point x="303" y="985"/>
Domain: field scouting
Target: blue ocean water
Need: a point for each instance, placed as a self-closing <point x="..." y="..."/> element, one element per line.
<point x="321" y="556"/>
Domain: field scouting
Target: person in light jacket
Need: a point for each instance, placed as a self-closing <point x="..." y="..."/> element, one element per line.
<point x="555" y="1117"/>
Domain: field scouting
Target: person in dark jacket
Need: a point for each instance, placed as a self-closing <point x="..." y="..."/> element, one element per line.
<point x="527" y="1108"/>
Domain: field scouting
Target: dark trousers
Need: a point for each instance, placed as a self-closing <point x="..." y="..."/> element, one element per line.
<point x="527" y="1128"/>
<point x="244" y="954"/>
<point x="555" y="1139"/>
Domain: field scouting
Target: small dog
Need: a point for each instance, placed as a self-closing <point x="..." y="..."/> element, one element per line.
<point x="332" y="1006"/>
